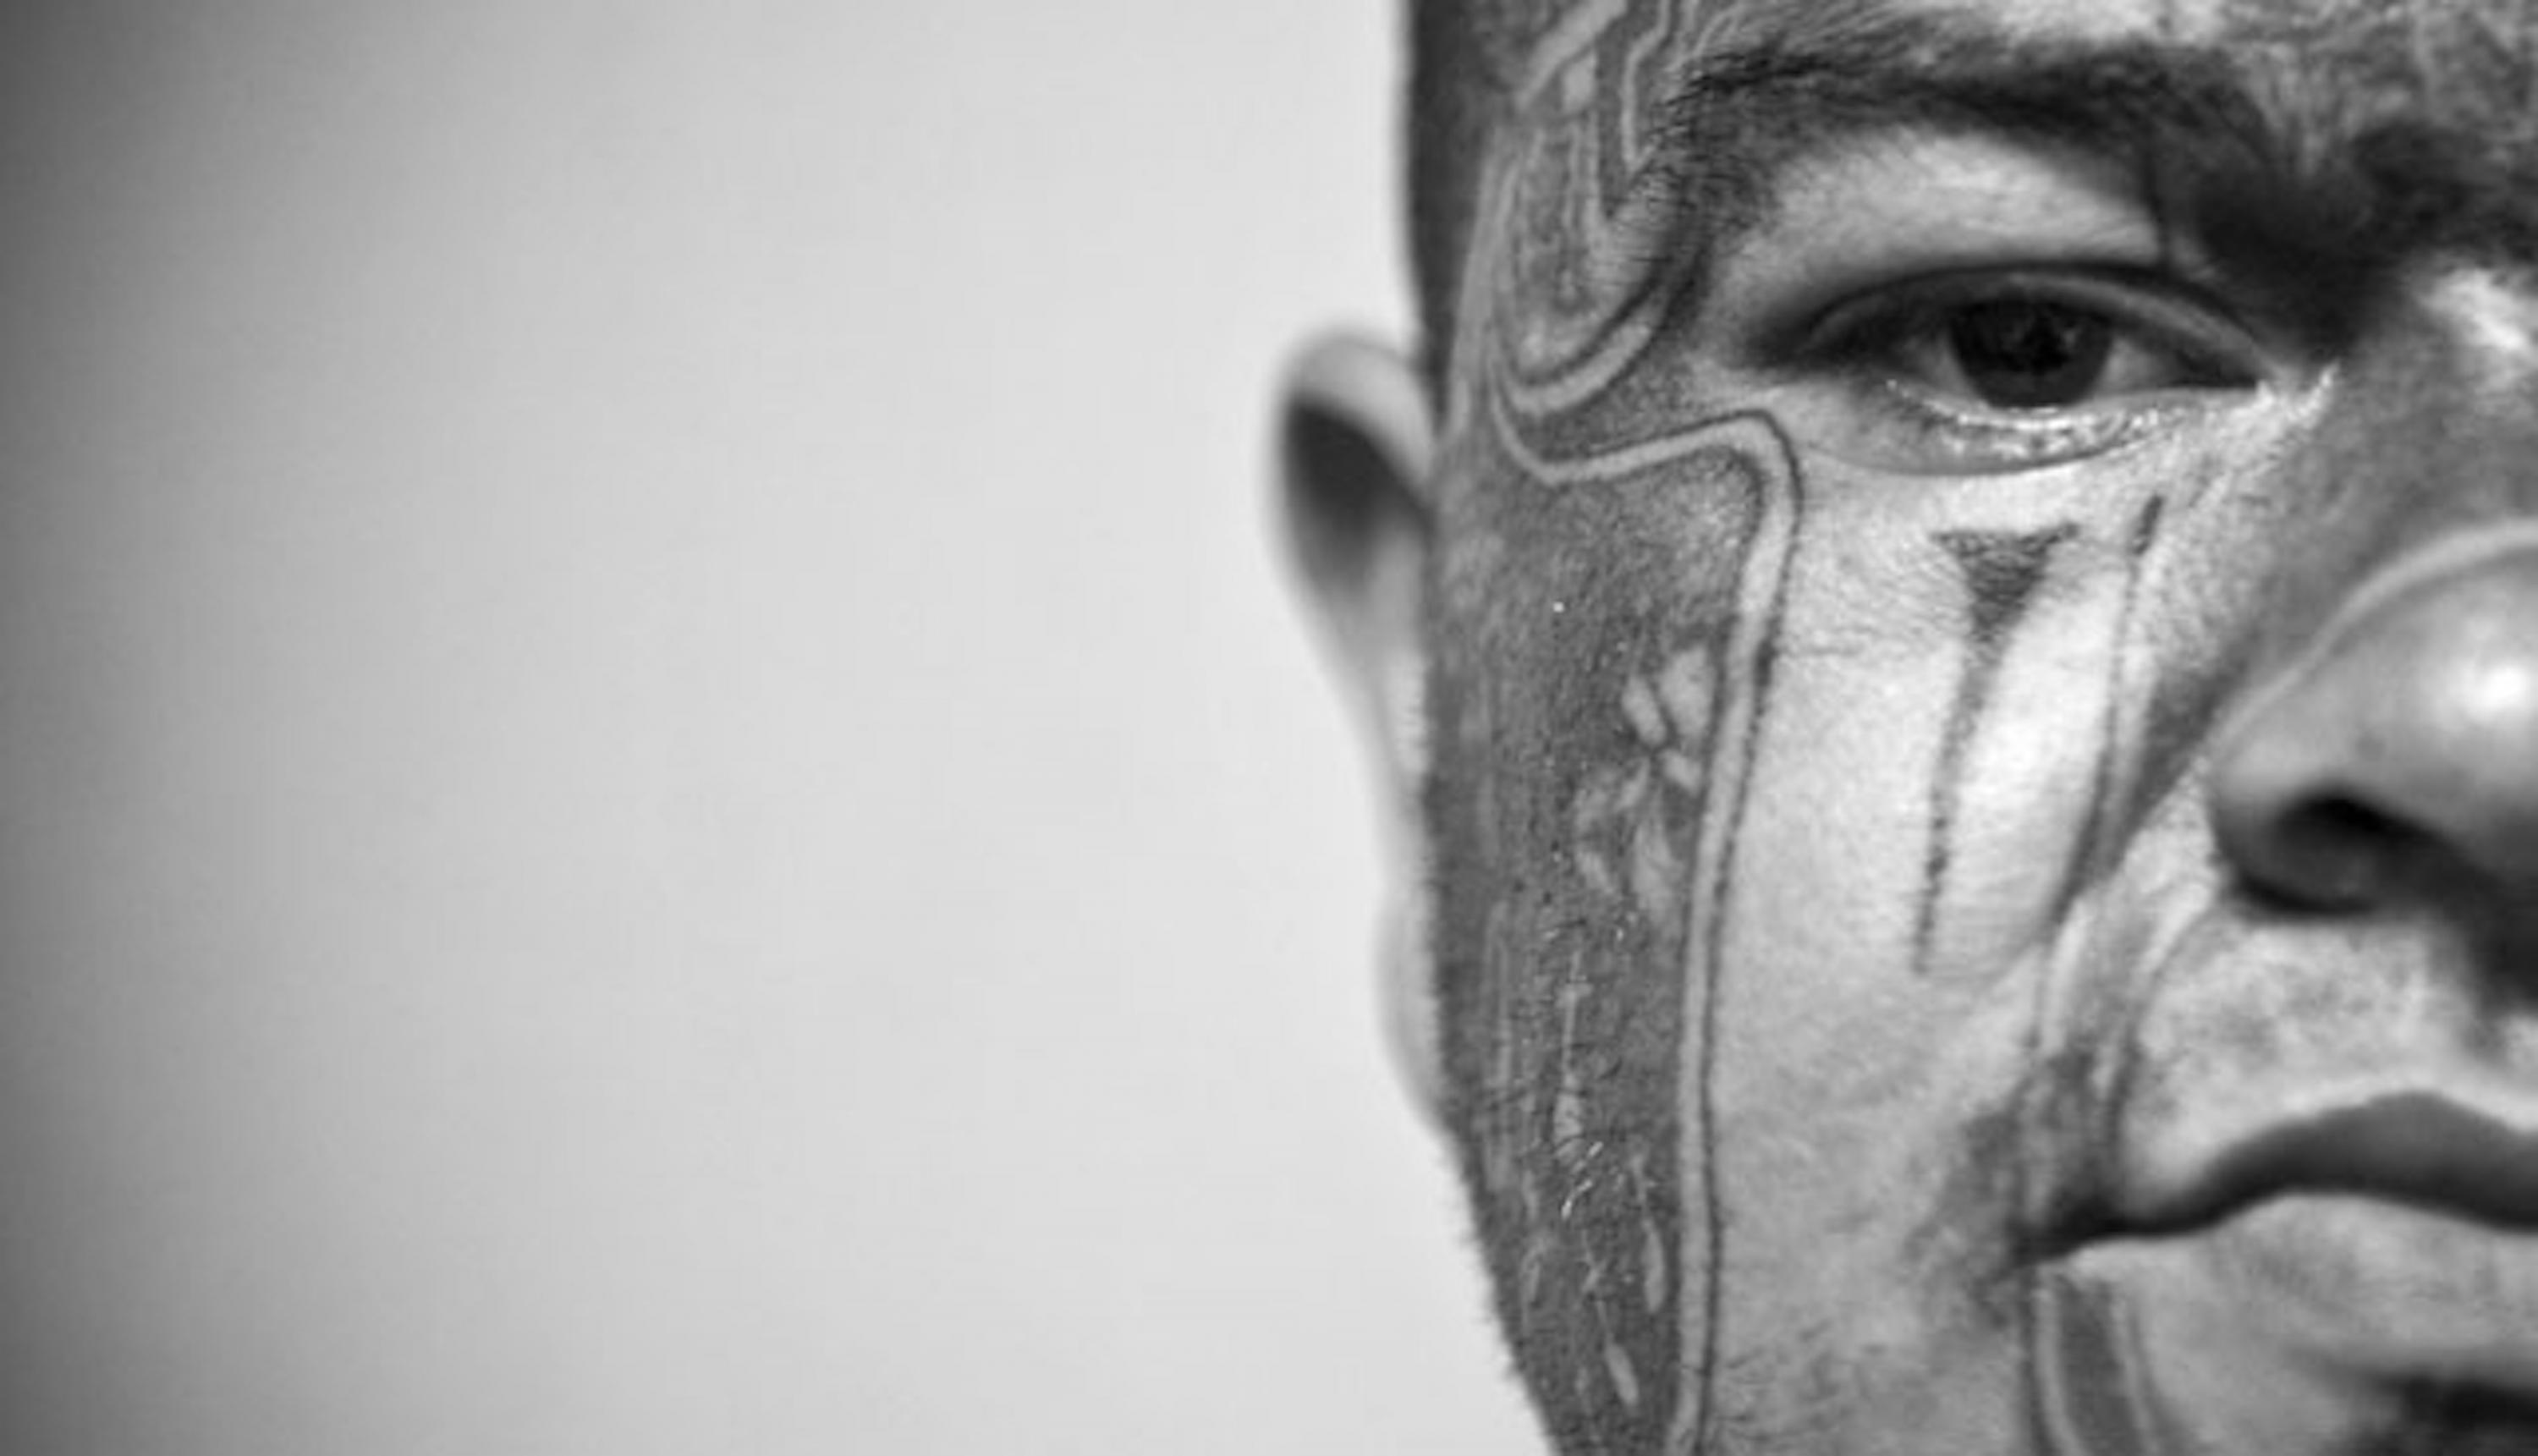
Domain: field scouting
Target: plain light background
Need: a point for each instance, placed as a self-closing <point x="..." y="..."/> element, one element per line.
<point x="657" y="793"/>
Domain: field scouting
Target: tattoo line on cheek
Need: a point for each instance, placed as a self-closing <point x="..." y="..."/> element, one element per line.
<point x="1762" y="600"/>
<point x="2100" y="834"/>
<point x="2000" y="571"/>
<point x="2057" y="1382"/>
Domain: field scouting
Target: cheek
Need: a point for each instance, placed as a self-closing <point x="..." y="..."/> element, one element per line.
<point x="1755" y="797"/>
<point x="1932" y="772"/>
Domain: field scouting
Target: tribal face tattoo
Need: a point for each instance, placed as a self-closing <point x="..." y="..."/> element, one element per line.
<point x="1956" y="616"/>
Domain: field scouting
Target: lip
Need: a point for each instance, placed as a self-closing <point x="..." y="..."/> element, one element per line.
<point x="2417" y="1149"/>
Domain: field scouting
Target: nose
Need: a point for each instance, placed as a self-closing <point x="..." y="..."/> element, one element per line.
<point x="2404" y="745"/>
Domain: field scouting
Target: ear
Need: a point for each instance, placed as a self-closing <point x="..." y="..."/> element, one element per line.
<point x="1356" y="448"/>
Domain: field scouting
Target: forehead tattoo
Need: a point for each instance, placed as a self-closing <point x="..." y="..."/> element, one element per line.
<point x="1630" y="132"/>
<point x="1618" y="581"/>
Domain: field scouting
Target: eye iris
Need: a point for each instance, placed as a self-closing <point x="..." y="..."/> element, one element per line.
<point x="2029" y="354"/>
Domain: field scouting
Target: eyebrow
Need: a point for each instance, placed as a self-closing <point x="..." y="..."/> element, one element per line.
<point x="2259" y="157"/>
<point x="1736" y="120"/>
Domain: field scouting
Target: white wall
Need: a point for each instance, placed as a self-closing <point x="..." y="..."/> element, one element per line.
<point x="656" y="794"/>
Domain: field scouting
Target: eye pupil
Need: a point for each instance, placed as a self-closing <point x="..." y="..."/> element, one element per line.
<point x="2030" y="353"/>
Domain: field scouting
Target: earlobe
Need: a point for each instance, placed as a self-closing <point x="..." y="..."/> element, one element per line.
<point x="1356" y="448"/>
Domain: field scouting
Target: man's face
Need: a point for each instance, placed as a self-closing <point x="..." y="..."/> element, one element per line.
<point x="1983" y="779"/>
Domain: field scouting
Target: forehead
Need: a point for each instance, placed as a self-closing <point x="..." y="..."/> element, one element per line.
<point x="2453" y="55"/>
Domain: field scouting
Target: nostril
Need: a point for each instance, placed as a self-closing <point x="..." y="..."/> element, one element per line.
<point x="2332" y="850"/>
<point x="2341" y="818"/>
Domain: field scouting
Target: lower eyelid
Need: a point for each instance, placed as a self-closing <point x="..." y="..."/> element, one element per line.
<point x="2058" y="425"/>
<point x="2008" y="442"/>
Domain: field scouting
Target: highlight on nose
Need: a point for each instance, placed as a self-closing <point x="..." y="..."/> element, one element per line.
<point x="2404" y="746"/>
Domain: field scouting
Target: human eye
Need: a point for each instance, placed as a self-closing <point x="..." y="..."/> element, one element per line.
<point x="1989" y="371"/>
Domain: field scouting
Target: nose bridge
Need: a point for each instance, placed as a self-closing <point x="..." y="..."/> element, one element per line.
<point x="2444" y="398"/>
<point x="2483" y="321"/>
<point x="2428" y="431"/>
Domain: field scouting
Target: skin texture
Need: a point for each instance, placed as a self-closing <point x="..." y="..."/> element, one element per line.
<point x="1993" y="929"/>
